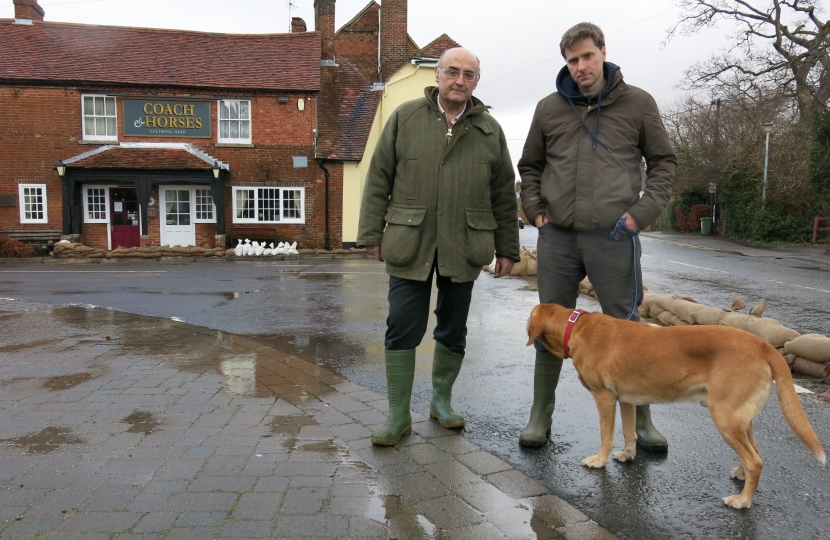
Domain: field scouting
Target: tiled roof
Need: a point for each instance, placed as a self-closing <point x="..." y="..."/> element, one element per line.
<point x="79" y="53"/>
<point x="436" y="47"/>
<point x="140" y="157"/>
<point x="347" y="107"/>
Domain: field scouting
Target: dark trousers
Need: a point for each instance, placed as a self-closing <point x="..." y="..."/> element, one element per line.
<point x="566" y="256"/>
<point x="409" y="312"/>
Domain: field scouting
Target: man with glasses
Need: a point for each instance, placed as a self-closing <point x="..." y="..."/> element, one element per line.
<point x="581" y="185"/>
<point x="439" y="201"/>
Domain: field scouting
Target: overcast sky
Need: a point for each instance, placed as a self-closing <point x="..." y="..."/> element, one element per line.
<point x="516" y="40"/>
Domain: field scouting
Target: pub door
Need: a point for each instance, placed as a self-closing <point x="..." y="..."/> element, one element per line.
<point x="126" y="231"/>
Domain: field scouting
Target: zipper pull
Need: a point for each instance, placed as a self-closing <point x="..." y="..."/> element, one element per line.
<point x="449" y="134"/>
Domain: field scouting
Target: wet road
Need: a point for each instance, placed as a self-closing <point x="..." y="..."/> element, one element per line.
<point x="332" y="312"/>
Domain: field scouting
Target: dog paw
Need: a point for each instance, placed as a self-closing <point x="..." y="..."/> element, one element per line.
<point x="624" y="455"/>
<point x="737" y="473"/>
<point x="593" y="462"/>
<point x="737" y="501"/>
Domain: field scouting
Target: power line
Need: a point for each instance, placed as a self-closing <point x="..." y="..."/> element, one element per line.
<point x="554" y="58"/>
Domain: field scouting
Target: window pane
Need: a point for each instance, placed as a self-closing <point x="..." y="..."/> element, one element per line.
<point x="234" y="130"/>
<point x="244" y="130"/>
<point x="110" y="106"/>
<point x="245" y="110"/>
<point x="89" y="105"/>
<point x="89" y="126"/>
<point x="110" y="126"/>
<point x="223" y="129"/>
<point x="223" y="110"/>
<point x="100" y="126"/>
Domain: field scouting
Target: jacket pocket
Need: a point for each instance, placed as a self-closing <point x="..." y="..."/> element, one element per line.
<point x="402" y="235"/>
<point x="481" y="243"/>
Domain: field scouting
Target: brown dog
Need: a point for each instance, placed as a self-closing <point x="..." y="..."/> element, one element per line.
<point x="726" y="369"/>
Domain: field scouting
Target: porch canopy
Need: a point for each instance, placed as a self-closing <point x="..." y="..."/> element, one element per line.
<point x="143" y="165"/>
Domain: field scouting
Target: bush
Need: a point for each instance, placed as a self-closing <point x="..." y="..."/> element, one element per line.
<point x="14" y="249"/>
<point x="693" y="197"/>
<point x="666" y="219"/>
<point x="690" y="221"/>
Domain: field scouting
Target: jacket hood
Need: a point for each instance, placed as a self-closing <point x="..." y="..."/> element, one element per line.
<point x="474" y="105"/>
<point x="568" y="89"/>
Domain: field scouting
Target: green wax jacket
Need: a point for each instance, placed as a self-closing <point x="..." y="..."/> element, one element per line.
<point x="427" y="193"/>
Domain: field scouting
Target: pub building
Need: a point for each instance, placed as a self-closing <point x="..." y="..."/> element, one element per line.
<point x="120" y="136"/>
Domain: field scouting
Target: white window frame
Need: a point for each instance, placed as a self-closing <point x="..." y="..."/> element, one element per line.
<point x="254" y="191"/>
<point x="222" y="121"/>
<point x="93" y="117"/>
<point x="21" y="191"/>
<point x="193" y="204"/>
<point x="86" y="190"/>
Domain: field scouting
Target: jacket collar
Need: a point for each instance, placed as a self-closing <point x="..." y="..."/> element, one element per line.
<point x="568" y="88"/>
<point x="474" y="105"/>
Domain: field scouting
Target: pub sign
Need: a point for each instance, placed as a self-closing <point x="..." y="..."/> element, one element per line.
<point x="166" y="118"/>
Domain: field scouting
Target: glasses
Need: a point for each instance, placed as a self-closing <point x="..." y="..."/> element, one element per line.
<point x="453" y="74"/>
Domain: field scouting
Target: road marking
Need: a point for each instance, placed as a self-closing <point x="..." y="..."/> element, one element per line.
<point x="700" y="267"/>
<point x="799" y="286"/>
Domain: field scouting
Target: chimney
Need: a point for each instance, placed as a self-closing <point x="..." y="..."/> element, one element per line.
<point x="324" y="23"/>
<point x="298" y="25"/>
<point x="28" y="9"/>
<point x="394" y="39"/>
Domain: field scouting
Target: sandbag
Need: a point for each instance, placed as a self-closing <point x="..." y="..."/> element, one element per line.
<point x="532" y="266"/>
<point x="229" y="252"/>
<point x="114" y="255"/>
<point x="736" y="320"/>
<point x="814" y="347"/>
<point x="665" y="302"/>
<point x="180" y="250"/>
<point x="197" y="250"/>
<point x="520" y="268"/>
<point x="686" y="309"/>
<point x="771" y="331"/>
<point x="133" y="254"/>
<point x="806" y="367"/>
<point x="94" y="255"/>
<point x="649" y="298"/>
<point x="708" y="315"/>
<point x="84" y="249"/>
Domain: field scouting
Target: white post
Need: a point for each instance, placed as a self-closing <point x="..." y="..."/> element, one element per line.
<point x="768" y="130"/>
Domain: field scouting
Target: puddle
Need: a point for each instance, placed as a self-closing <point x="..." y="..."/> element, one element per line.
<point x="46" y="440"/>
<point x="289" y="425"/>
<point x="235" y="295"/>
<point x="66" y="381"/>
<point x="142" y="422"/>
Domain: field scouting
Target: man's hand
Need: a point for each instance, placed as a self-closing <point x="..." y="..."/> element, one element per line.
<point x="630" y="224"/>
<point x="503" y="267"/>
<point x="540" y="220"/>
<point x="374" y="250"/>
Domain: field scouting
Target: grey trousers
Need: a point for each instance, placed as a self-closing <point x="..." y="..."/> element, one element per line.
<point x="566" y="256"/>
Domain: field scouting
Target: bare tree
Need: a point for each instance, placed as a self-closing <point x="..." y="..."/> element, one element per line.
<point x="781" y="46"/>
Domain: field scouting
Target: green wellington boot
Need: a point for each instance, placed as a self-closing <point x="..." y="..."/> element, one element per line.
<point x="400" y="372"/>
<point x="648" y="438"/>
<point x="445" y="367"/>
<point x="545" y="379"/>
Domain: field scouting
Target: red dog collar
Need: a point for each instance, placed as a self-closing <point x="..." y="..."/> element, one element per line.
<point x="571" y="320"/>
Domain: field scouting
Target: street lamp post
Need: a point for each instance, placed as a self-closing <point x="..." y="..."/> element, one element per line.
<point x="767" y="130"/>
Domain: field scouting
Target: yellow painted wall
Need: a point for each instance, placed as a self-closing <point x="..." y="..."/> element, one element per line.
<point x="406" y="84"/>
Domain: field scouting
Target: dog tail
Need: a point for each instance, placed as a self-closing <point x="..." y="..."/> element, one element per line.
<point x="791" y="406"/>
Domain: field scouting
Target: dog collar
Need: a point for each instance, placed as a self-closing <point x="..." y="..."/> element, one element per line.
<point x="571" y="320"/>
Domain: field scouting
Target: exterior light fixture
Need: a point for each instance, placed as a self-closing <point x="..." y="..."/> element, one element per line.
<point x="217" y="170"/>
<point x="61" y="168"/>
<point x="767" y="129"/>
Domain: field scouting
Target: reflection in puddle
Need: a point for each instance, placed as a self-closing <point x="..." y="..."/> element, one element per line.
<point x="142" y="422"/>
<point x="426" y="525"/>
<point x="240" y="373"/>
<point x="289" y="425"/>
<point x="44" y="441"/>
<point x="66" y="381"/>
<point x="235" y="295"/>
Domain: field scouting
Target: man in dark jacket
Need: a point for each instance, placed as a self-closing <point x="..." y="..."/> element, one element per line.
<point x="439" y="200"/>
<point x="581" y="186"/>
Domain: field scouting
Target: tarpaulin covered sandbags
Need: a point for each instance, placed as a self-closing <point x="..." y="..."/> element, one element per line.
<point x="814" y="347"/>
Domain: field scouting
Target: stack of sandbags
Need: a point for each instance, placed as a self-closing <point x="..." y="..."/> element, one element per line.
<point x="526" y="265"/>
<point x="809" y="355"/>
<point x="75" y="250"/>
<point x="587" y="289"/>
<point x="71" y="250"/>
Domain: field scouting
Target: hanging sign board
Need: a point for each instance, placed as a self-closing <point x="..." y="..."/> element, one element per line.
<point x="166" y="118"/>
<point x="713" y="187"/>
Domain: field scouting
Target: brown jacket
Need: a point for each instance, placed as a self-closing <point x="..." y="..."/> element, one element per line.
<point x="586" y="180"/>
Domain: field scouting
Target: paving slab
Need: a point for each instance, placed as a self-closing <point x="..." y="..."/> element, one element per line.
<point x="142" y="427"/>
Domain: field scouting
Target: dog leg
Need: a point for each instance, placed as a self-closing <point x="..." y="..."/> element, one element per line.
<point x="628" y="414"/>
<point x="607" y="409"/>
<point x="738" y="472"/>
<point x="737" y="432"/>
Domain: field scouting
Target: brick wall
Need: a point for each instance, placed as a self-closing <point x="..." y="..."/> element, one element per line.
<point x="358" y="42"/>
<point x="41" y="126"/>
<point x="394" y="41"/>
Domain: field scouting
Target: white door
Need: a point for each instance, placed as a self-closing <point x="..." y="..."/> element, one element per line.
<point x="177" y="227"/>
